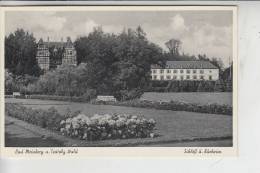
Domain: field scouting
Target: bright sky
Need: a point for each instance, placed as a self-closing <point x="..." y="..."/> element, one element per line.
<point x="201" y="32"/>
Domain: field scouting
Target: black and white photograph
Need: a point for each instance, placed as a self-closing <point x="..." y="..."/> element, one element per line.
<point x="120" y="77"/>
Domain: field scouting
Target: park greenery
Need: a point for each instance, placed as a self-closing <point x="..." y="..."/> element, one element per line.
<point x="81" y="126"/>
<point x="108" y="64"/>
<point x="210" y="108"/>
<point x="107" y="126"/>
<point x="20" y="54"/>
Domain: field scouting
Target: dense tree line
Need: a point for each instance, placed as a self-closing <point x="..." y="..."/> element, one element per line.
<point x="118" y="64"/>
<point x="108" y="64"/>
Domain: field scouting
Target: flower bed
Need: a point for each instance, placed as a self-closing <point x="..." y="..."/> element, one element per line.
<point x="100" y="127"/>
<point x="97" y="127"/>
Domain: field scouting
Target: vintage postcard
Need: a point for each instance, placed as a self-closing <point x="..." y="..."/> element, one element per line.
<point x="119" y="81"/>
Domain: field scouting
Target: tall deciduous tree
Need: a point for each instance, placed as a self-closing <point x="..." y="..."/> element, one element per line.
<point x="117" y="64"/>
<point x="135" y="54"/>
<point x="174" y="46"/>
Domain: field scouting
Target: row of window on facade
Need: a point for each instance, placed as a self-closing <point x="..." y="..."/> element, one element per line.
<point x="69" y="61"/>
<point x="188" y="71"/>
<point x="188" y="77"/>
<point x="43" y="53"/>
<point x="69" y="52"/>
<point x="43" y="60"/>
<point x="46" y="60"/>
<point x="46" y="53"/>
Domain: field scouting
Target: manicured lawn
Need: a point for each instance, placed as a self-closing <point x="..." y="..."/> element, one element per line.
<point x="22" y="134"/>
<point x="171" y="125"/>
<point x="191" y="97"/>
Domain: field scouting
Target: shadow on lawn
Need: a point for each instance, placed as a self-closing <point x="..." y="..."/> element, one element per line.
<point x="14" y="141"/>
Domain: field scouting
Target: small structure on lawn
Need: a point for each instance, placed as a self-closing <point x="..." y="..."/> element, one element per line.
<point x="106" y="98"/>
<point x="16" y="94"/>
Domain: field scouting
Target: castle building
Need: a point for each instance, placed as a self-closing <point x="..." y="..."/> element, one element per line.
<point x="185" y="70"/>
<point x="69" y="55"/>
<point x="53" y="54"/>
<point x="43" y="55"/>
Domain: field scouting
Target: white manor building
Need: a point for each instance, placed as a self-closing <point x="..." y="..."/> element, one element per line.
<point x="185" y="70"/>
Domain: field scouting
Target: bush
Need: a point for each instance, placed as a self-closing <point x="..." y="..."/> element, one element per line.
<point x="176" y="106"/>
<point x="129" y="94"/>
<point x="46" y="119"/>
<point x="101" y="127"/>
<point x="97" y="127"/>
<point x="90" y="94"/>
<point x="84" y="98"/>
<point x="189" y="86"/>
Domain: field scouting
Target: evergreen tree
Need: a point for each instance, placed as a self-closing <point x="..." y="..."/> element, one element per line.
<point x="20" y="53"/>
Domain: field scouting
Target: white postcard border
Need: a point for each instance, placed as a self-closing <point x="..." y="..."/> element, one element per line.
<point x="125" y="151"/>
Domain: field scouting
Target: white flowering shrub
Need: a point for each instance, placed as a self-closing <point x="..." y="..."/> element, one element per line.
<point x="101" y="127"/>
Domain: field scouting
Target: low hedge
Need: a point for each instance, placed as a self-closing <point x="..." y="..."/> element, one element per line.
<point x="97" y="127"/>
<point x="58" y="98"/>
<point x="44" y="118"/>
<point x="174" y="106"/>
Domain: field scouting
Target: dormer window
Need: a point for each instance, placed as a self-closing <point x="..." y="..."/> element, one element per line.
<point x="69" y="52"/>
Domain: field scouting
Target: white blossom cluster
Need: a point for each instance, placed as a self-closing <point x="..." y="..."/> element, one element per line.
<point x="100" y="127"/>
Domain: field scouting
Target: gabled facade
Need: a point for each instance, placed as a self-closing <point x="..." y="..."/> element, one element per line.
<point x="69" y="54"/>
<point x="43" y="55"/>
<point x="53" y="54"/>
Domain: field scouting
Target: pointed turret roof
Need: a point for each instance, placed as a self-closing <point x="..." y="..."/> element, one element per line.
<point x="69" y="42"/>
<point x="40" y="41"/>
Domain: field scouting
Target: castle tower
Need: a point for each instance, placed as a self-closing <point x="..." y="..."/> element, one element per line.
<point x="69" y="55"/>
<point x="43" y="56"/>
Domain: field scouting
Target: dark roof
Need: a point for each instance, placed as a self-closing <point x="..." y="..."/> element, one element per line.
<point x="187" y="65"/>
<point x="55" y="44"/>
<point x="40" y="41"/>
<point x="58" y="44"/>
<point x="69" y="42"/>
